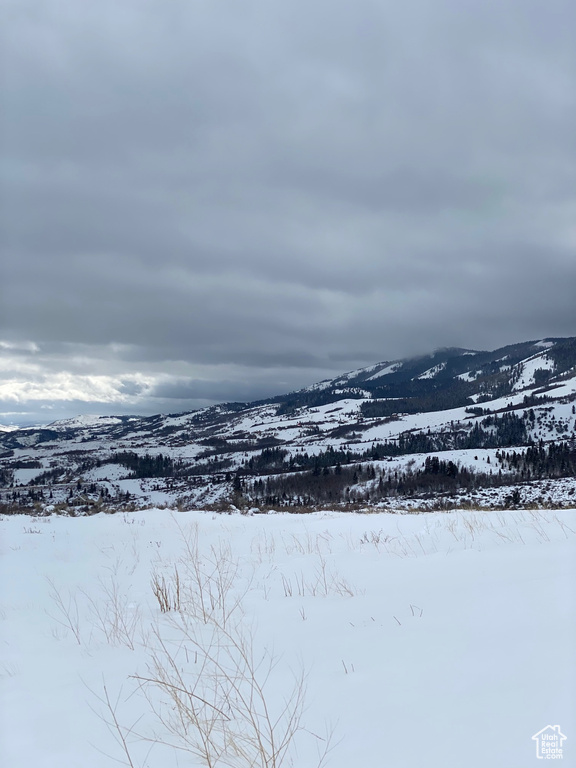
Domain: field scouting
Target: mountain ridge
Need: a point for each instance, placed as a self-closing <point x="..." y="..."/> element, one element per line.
<point x="465" y="409"/>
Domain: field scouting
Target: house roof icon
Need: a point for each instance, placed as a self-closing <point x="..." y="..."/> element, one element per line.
<point x="549" y="737"/>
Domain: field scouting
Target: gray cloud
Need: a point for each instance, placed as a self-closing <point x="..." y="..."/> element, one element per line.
<point x="213" y="201"/>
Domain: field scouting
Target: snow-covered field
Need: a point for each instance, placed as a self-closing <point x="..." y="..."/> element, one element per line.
<point x="440" y="639"/>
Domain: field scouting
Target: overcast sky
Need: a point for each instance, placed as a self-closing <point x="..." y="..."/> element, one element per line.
<point x="208" y="200"/>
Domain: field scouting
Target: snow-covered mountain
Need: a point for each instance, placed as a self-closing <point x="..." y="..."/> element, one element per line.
<point x="454" y="423"/>
<point x="456" y="374"/>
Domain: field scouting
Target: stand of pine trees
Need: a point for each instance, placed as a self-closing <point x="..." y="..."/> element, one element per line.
<point x="363" y="482"/>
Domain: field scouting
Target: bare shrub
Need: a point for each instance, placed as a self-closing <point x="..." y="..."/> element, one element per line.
<point x="68" y="614"/>
<point x="323" y="583"/>
<point x="214" y="697"/>
<point x="212" y="588"/>
<point x="113" y="613"/>
<point x="167" y="594"/>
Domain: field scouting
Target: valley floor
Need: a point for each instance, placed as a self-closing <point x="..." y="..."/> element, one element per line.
<point x="436" y="639"/>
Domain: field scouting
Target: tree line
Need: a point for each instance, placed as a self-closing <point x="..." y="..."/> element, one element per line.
<point x="367" y="483"/>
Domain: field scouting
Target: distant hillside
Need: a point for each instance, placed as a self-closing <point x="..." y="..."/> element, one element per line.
<point x="440" y="428"/>
<point x="447" y="378"/>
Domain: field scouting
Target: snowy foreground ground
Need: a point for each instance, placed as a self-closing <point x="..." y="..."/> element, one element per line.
<point x="441" y="639"/>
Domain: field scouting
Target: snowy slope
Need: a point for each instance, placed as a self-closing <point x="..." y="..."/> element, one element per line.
<point x="405" y="625"/>
<point x="528" y="368"/>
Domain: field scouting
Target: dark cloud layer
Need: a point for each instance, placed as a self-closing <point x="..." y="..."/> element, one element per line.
<point x="206" y="201"/>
